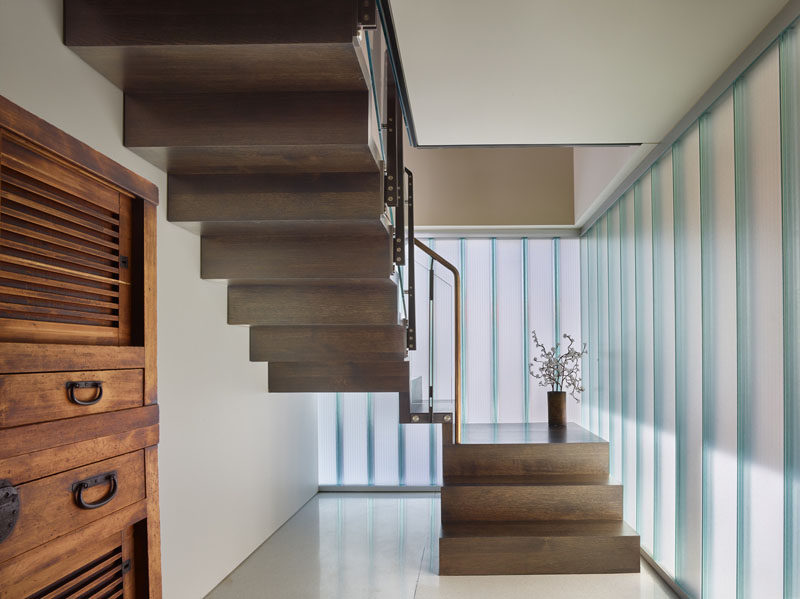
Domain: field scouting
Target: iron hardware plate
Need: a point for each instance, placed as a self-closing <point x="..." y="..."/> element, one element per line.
<point x="9" y="509"/>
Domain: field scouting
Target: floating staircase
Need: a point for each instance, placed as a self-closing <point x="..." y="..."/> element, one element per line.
<point x="525" y="499"/>
<point x="260" y="113"/>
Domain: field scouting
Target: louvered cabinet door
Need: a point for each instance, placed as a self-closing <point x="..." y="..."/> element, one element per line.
<point x="65" y="251"/>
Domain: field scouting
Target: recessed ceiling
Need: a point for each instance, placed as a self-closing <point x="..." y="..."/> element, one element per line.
<point x="565" y="71"/>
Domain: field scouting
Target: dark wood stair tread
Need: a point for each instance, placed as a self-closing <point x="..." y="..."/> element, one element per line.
<point x="525" y="433"/>
<point x="228" y="67"/>
<point x="327" y="377"/>
<point x="550" y="528"/>
<point x="314" y="302"/>
<point x="318" y="343"/>
<point x="257" y="198"/>
<point x="531" y="479"/>
<point x="253" y="159"/>
<point x="207" y="22"/>
<point x="296" y="256"/>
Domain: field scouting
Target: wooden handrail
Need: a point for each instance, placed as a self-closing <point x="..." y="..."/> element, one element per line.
<point x="457" y="335"/>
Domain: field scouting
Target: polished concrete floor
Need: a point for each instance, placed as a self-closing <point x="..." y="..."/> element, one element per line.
<point x="384" y="546"/>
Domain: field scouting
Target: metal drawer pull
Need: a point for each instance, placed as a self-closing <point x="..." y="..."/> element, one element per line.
<point x="79" y="487"/>
<point x="72" y="385"/>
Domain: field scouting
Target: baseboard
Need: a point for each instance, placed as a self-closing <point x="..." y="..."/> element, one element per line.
<point x="668" y="580"/>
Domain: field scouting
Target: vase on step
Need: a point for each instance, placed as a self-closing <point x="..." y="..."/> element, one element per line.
<point x="557" y="409"/>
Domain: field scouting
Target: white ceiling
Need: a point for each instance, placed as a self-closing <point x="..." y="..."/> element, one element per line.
<point x="565" y="71"/>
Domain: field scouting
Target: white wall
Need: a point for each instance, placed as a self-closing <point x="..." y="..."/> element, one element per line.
<point x="597" y="170"/>
<point x="218" y="425"/>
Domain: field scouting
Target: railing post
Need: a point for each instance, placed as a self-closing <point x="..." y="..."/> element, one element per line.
<point x="411" y="333"/>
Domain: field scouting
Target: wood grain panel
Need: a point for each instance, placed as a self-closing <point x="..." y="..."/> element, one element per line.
<point x="266" y="119"/>
<point x="320" y="343"/>
<point x="68" y="547"/>
<point x="509" y="503"/>
<point x="22" y="440"/>
<point x="15" y="118"/>
<point x="34" y="357"/>
<point x="207" y="22"/>
<point x="48" y="510"/>
<point x="327" y="377"/>
<point x="320" y="196"/>
<point x="285" y="159"/>
<point x="522" y="460"/>
<point x="550" y="548"/>
<point x="307" y="304"/>
<point x="228" y="68"/>
<point x="22" y="468"/>
<point x="296" y="257"/>
<point x="30" y="398"/>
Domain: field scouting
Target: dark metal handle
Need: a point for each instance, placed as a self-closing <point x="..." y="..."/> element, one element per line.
<point x="72" y="385"/>
<point x="79" y="487"/>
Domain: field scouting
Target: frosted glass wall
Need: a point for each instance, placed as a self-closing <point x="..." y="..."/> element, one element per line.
<point x="509" y="287"/>
<point x="690" y="286"/>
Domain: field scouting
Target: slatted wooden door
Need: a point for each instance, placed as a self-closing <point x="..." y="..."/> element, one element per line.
<point x="65" y="246"/>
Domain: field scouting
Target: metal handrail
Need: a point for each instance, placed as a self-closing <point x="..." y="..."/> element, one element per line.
<point x="457" y="335"/>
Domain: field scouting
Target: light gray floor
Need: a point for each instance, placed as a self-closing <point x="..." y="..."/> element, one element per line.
<point x="384" y="546"/>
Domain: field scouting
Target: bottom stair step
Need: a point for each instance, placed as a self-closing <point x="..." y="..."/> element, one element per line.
<point x="588" y="547"/>
<point x="330" y="377"/>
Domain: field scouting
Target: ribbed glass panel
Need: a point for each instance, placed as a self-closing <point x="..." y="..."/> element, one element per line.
<point x="540" y="313"/>
<point x="603" y="338"/>
<point x="478" y="331"/>
<point x="719" y="349"/>
<point x="643" y="230"/>
<point x="417" y="454"/>
<point x="354" y="438"/>
<point x="790" y="189"/>
<point x="570" y="298"/>
<point x="594" y="328"/>
<point x="615" y="342"/>
<point x="585" y="361"/>
<point x="760" y="309"/>
<point x="688" y="361"/>
<point x="664" y="363"/>
<point x="419" y="359"/>
<point x="326" y="438"/>
<point x="628" y="355"/>
<point x="385" y="429"/>
<point x="443" y="349"/>
<point x="511" y="361"/>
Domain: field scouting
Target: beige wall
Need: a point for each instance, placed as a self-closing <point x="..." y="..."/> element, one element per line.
<point x="492" y="186"/>
<point x="217" y="422"/>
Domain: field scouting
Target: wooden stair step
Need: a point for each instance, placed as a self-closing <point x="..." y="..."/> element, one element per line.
<point x="274" y="197"/>
<point x="329" y="377"/>
<point x="562" y="547"/>
<point x="517" y="502"/>
<point x="296" y="257"/>
<point x="228" y="68"/>
<point x="207" y="22"/>
<point x="320" y="343"/>
<point x="246" y="119"/>
<point x="326" y="303"/>
<point x="326" y="158"/>
<point x="523" y="460"/>
<point x="531" y="479"/>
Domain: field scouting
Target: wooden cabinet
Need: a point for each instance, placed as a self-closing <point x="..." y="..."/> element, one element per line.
<point x="78" y="402"/>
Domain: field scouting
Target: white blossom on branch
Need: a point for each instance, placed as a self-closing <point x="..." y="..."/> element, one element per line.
<point x="559" y="368"/>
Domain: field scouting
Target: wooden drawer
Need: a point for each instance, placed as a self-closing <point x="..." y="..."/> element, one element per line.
<point x="102" y="568"/>
<point x="32" y="398"/>
<point x="49" y="506"/>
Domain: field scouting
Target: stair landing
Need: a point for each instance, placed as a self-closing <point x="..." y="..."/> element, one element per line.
<point x="527" y="499"/>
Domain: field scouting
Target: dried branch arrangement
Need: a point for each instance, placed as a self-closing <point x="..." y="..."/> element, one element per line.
<point x="559" y="368"/>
